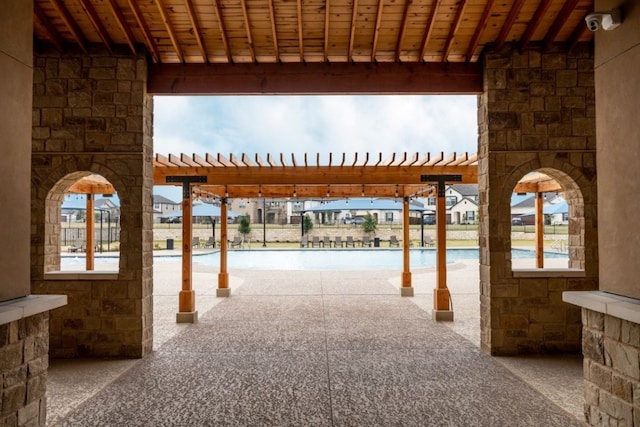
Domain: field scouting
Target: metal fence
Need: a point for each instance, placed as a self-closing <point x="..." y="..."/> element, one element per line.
<point x="103" y="238"/>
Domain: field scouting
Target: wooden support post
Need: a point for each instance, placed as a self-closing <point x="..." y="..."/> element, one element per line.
<point x="187" y="298"/>
<point x="90" y="229"/>
<point x="441" y="296"/>
<point x="539" y="217"/>
<point x="223" y="277"/>
<point x="407" y="289"/>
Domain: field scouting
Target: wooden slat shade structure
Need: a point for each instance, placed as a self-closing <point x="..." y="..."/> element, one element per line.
<point x="350" y="176"/>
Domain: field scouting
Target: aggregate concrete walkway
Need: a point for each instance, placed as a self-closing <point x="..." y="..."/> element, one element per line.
<point x="306" y="349"/>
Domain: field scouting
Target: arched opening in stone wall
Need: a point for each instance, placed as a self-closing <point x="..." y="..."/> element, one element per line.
<point x="82" y="222"/>
<point x="560" y="209"/>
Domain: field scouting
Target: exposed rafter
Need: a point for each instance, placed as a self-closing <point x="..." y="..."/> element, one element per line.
<point x="376" y="31"/>
<point x="247" y="26"/>
<point x="327" y="22"/>
<point x="96" y="23"/>
<point x="300" y="30"/>
<point x="559" y="22"/>
<point x="122" y="24"/>
<point x="482" y="26"/>
<point x="403" y="28"/>
<point x="52" y="34"/>
<point x="454" y="29"/>
<point x="169" y="28"/>
<point x="352" y="29"/>
<point x="197" y="32"/>
<point x="274" y="32"/>
<point x="223" y="31"/>
<point x="508" y="24"/>
<point x="429" y="28"/>
<point x="148" y="39"/>
<point x="534" y="23"/>
<point x="71" y="25"/>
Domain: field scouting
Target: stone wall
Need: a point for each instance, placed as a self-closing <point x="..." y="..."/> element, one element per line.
<point x="611" y="370"/>
<point x="23" y="363"/>
<point x="537" y="113"/>
<point x="91" y="115"/>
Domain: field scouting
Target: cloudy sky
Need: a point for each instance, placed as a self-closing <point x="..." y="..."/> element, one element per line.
<point x="313" y="124"/>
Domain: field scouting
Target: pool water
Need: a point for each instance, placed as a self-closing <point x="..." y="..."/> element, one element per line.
<point x="343" y="259"/>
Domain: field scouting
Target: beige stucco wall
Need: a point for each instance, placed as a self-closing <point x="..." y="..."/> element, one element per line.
<point x="16" y="39"/>
<point x="617" y="61"/>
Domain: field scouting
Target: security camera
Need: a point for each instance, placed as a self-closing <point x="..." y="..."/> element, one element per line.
<point x="607" y="20"/>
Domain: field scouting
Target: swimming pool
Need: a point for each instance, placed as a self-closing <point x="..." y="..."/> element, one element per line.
<point x="310" y="259"/>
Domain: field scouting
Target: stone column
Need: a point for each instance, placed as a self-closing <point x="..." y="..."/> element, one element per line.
<point x="537" y="112"/>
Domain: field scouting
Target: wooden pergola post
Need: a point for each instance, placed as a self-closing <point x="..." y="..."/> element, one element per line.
<point x="539" y="218"/>
<point x="90" y="229"/>
<point x="407" y="289"/>
<point x="223" y="277"/>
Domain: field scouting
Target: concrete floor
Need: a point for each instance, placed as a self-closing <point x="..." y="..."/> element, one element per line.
<point x="316" y="348"/>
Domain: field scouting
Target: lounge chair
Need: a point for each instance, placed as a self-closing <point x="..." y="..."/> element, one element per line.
<point x="236" y="243"/>
<point x="209" y="243"/>
<point x="337" y="242"/>
<point x="315" y="241"/>
<point x="326" y="242"/>
<point x="78" y="246"/>
<point x="393" y="241"/>
<point x="429" y="241"/>
<point x="304" y="242"/>
<point x="350" y="242"/>
<point x="366" y="241"/>
<point x="195" y="242"/>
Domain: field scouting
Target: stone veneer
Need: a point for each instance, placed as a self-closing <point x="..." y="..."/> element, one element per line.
<point x="24" y="360"/>
<point x="611" y="370"/>
<point x="91" y="115"/>
<point x="537" y="113"/>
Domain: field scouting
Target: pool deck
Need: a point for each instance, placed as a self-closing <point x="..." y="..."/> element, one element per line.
<point x="316" y="348"/>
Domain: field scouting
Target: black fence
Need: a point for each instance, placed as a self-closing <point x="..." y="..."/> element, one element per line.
<point x="102" y="238"/>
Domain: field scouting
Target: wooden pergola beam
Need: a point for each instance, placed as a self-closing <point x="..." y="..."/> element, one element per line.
<point x="315" y="78"/>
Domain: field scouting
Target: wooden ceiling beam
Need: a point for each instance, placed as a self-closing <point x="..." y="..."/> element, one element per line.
<point x="274" y="32"/>
<point x="454" y="29"/>
<point x="96" y="23"/>
<point x="558" y="23"/>
<point x="312" y="192"/>
<point x="403" y="28"/>
<point x="508" y="24"/>
<point x="300" y="30"/>
<point x="429" y="28"/>
<point x="197" y="32"/>
<point x="144" y="28"/>
<point x="535" y="22"/>
<point x="352" y="29"/>
<point x="327" y="15"/>
<point x="316" y="78"/>
<point x="376" y="31"/>
<point x="122" y="24"/>
<point x="169" y="28"/>
<point x="41" y="19"/>
<point x="482" y="26"/>
<point x="247" y="26"/>
<point x="70" y="23"/>
<point x="223" y="31"/>
<point x="578" y="32"/>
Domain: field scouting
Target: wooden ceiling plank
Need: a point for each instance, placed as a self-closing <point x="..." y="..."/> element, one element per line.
<point x="300" y="30"/>
<point x="482" y="26"/>
<point x="70" y="23"/>
<point x="43" y="21"/>
<point x="559" y="22"/>
<point x="403" y="28"/>
<point x="578" y="32"/>
<point x="454" y="29"/>
<point x="352" y="29"/>
<point x="376" y="31"/>
<point x="274" y="32"/>
<point x="429" y="28"/>
<point x="197" y="32"/>
<point x="170" y="31"/>
<point x="223" y="31"/>
<point x="247" y="26"/>
<point x="149" y="40"/>
<point x="122" y="24"/>
<point x="508" y="24"/>
<point x="534" y="23"/>
<point x="90" y="11"/>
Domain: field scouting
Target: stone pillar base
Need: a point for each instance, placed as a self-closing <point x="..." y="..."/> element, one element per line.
<point x="442" y="315"/>
<point x="187" y="317"/>
<point x="223" y="292"/>
<point x="406" y="291"/>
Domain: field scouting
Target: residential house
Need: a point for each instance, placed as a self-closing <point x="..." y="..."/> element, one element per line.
<point x="461" y="203"/>
<point x="163" y="206"/>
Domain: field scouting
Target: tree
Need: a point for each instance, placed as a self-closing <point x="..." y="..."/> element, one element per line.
<point x="308" y="223"/>
<point x="370" y="225"/>
<point x="244" y="228"/>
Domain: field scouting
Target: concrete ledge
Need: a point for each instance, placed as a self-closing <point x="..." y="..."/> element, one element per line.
<point x="547" y="272"/>
<point x="187" y="317"/>
<point x="81" y="275"/>
<point x="223" y="292"/>
<point x="442" y="315"/>
<point x="406" y="291"/>
<point x="624" y="308"/>
<point x="20" y="308"/>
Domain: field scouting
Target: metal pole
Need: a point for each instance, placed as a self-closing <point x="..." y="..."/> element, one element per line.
<point x="302" y="222"/>
<point x="422" y="230"/>
<point x="101" y="231"/>
<point x="213" y="226"/>
<point x="109" y="230"/>
<point x="264" y="223"/>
